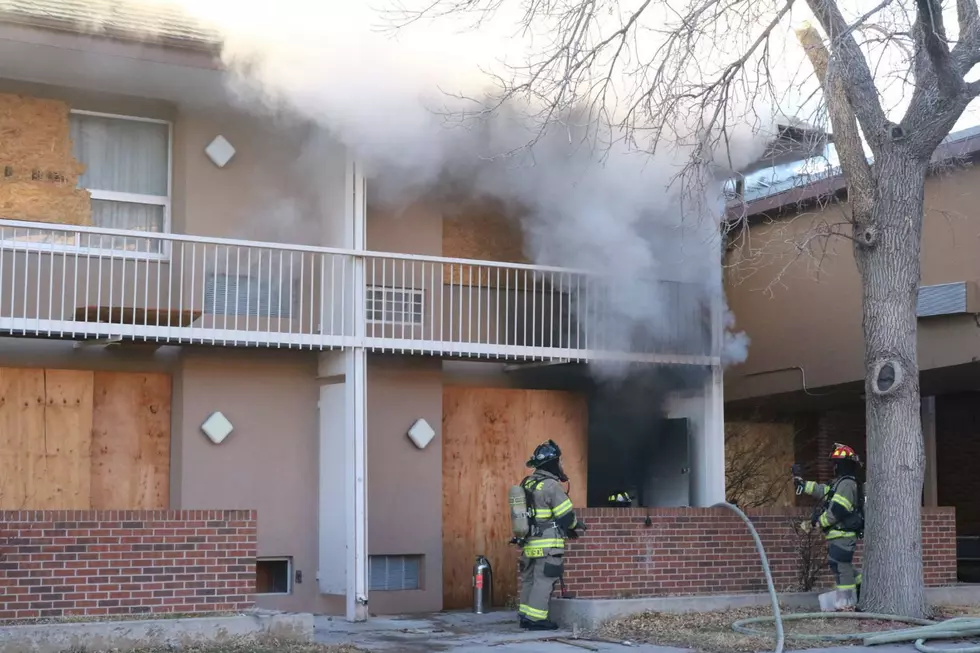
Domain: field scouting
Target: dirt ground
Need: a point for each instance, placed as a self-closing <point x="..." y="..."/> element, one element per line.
<point x="268" y="646"/>
<point x="712" y="631"/>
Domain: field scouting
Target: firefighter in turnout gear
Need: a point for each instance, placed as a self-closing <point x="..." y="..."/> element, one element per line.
<point x="551" y="519"/>
<point x="620" y="500"/>
<point x="840" y="516"/>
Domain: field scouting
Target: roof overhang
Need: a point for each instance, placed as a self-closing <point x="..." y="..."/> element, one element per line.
<point x="108" y="65"/>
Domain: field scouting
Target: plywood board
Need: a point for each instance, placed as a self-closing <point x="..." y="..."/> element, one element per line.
<point x="131" y="441"/>
<point x="21" y="420"/>
<point x="488" y="435"/>
<point x="482" y="233"/>
<point x="45" y="424"/>
<point x="62" y="471"/>
<point x="38" y="171"/>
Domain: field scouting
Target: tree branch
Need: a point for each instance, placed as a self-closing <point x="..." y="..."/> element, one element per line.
<point x="847" y="137"/>
<point x="930" y="33"/>
<point x="856" y="77"/>
<point x="966" y="53"/>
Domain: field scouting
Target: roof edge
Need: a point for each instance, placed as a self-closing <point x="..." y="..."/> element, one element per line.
<point x="967" y="147"/>
<point x="212" y="47"/>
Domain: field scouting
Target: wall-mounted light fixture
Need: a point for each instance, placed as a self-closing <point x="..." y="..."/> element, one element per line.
<point x="421" y="433"/>
<point x="220" y="151"/>
<point x="217" y="427"/>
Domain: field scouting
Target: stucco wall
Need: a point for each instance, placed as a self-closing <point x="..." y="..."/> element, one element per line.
<point x="404" y="482"/>
<point x="269" y="461"/>
<point x="805" y="309"/>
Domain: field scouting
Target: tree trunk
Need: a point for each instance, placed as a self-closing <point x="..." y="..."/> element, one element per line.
<point x="887" y="252"/>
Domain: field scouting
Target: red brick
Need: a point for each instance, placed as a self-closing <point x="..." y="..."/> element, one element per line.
<point x="96" y="563"/>
<point x="709" y="551"/>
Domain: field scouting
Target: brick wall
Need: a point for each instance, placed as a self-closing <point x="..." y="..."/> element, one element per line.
<point x="64" y="563"/>
<point x="710" y="551"/>
<point x="958" y="441"/>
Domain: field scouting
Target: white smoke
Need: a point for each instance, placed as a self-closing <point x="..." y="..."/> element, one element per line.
<point x="586" y="199"/>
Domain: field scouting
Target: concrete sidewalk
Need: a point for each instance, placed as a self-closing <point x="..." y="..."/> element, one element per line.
<point x="495" y="632"/>
<point x="460" y="632"/>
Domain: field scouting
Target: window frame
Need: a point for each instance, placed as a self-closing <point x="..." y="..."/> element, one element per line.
<point x="116" y="196"/>
<point x="290" y="572"/>
<point x="396" y="317"/>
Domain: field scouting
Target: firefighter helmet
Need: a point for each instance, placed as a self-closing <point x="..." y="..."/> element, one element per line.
<point x="843" y="452"/>
<point x="544" y="453"/>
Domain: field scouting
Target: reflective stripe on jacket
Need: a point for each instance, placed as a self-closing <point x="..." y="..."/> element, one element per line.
<point x="844" y="500"/>
<point x="548" y="503"/>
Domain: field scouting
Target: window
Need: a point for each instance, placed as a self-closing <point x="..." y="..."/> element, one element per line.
<point x="228" y="294"/>
<point x="394" y="305"/>
<point x="272" y="576"/>
<point x="394" y="573"/>
<point x="127" y="173"/>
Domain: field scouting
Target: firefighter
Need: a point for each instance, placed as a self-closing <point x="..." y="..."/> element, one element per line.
<point x="619" y="500"/>
<point x="552" y="519"/>
<point x="840" y="516"/>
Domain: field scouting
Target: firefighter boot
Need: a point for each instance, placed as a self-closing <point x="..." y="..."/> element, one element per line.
<point x="542" y="624"/>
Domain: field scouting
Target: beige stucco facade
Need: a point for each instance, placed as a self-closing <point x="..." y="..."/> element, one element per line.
<point x="803" y="310"/>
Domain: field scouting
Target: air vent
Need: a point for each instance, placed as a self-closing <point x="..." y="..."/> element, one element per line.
<point x="226" y="294"/>
<point x="394" y="573"/>
<point x="944" y="299"/>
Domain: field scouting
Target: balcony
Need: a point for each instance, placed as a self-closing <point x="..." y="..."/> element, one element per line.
<point x="82" y="283"/>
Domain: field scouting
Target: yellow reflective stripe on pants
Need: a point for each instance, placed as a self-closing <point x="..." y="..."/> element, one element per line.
<point x="532" y="613"/>
<point x="562" y="508"/>
<point x="535" y="548"/>
<point x="847" y="587"/>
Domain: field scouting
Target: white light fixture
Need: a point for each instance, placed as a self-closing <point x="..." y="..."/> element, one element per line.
<point x="421" y="433"/>
<point x="217" y="427"/>
<point x="220" y="151"/>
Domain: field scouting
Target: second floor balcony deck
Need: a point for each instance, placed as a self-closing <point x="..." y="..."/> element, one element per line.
<point x="80" y="283"/>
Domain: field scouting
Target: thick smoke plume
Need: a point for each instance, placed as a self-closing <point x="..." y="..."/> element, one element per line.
<point x="586" y="197"/>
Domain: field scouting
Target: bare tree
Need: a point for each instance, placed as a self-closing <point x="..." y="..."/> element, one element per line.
<point x="752" y="480"/>
<point x="703" y="57"/>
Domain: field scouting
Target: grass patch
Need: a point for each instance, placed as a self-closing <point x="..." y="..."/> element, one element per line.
<point x="712" y="631"/>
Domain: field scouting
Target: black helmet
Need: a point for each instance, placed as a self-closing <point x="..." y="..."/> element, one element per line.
<point x="544" y="453"/>
<point x="547" y="457"/>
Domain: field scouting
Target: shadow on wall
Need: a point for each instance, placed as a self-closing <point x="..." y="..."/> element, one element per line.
<point x="633" y="445"/>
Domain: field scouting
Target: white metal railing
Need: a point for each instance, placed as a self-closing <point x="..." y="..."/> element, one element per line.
<point x="82" y="282"/>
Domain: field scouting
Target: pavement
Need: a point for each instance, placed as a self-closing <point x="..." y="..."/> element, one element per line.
<point x="463" y="632"/>
<point x="494" y="632"/>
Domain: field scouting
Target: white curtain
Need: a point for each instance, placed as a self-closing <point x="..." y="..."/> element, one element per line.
<point x="123" y="156"/>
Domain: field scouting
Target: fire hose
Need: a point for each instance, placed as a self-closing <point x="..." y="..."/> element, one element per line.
<point x="958" y="628"/>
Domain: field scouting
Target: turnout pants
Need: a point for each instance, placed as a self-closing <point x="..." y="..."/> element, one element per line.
<point x="840" y="553"/>
<point x="538" y="578"/>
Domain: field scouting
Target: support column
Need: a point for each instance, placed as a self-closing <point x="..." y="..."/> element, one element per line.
<point x="343" y="510"/>
<point x="712" y="484"/>
<point x="930" y="489"/>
